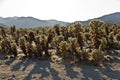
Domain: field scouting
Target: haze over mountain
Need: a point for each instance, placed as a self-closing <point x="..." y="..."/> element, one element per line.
<point x="33" y="22"/>
<point x="2" y="25"/>
<point x="110" y="18"/>
<point x="29" y="22"/>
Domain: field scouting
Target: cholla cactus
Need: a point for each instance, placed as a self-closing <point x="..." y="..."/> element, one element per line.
<point x="63" y="48"/>
<point x="80" y="40"/>
<point x="14" y="49"/>
<point x="117" y="41"/>
<point x="16" y="38"/>
<point x="77" y="28"/>
<point x="57" y="29"/>
<point x="71" y="31"/>
<point x="82" y="55"/>
<point x="51" y="35"/>
<point x="38" y="46"/>
<point x="65" y="32"/>
<point x="107" y="29"/>
<point x="118" y="37"/>
<point x="3" y="45"/>
<point x="111" y="40"/>
<point x="6" y="42"/>
<point x="86" y="38"/>
<point x="96" y="33"/>
<point x="103" y="44"/>
<point x="37" y="40"/>
<point x="57" y="39"/>
<point x="0" y="37"/>
<point x="12" y="30"/>
<point x="98" y="56"/>
<point x="35" y="50"/>
<point x="3" y="33"/>
<point x="22" y="44"/>
<point x="39" y="50"/>
<point x="73" y="42"/>
<point x="45" y="45"/>
<point x="31" y="36"/>
<point x="30" y="49"/>
<point x="9" y="46"/>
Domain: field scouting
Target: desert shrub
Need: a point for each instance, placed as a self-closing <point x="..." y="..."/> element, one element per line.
<point x="31" y="36"/>
<point x="63" y="48"/>
<point x="45" y="45"/>
<point x="14" y="49"/>
<point x="97" y="56"/>
<point x="56" y="40"/>
<point x="82" y="55"/>
<point x="74" y="44"/>
<point x="80" y="40"/>
<point x="29" y="49"/>
<point x="86" y="43"/>
<point x="22" y="44"/>
<point x="57" y="29"/>
<point x="3" y="33"/>
<point x="95" y="30"/>
<point x="103" y="44"/>
<point x="118" y="37"/>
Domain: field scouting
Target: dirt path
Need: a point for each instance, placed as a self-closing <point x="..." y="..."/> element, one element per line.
<point x="31" y="69"/>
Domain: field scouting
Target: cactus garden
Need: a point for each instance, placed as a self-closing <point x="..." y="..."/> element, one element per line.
<point x="76" y="44"/>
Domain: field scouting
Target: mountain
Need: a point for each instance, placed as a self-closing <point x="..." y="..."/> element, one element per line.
<point x="3" y="25"/>
<point x="110" y="18"/>
<point x="29" y="22"/>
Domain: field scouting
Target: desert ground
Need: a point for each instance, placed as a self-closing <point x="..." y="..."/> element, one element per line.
<point x="33" y="69"/>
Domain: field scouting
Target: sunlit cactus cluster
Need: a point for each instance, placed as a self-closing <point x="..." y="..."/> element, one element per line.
<point x="88" y="43"/>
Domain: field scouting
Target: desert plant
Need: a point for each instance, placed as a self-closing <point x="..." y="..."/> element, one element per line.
<point x="29" y="49"/>
<point x="38" y="46"/>
<point x="63" y="48"/>
<point x="13" y="49"/>
<point x="96" y="33"/>
<point x="31" y="36"/>
<point x="98" y="56"/>
<point x="12" y="30"/>
<point x="56" y="40"/>
<point x="118" y="37"/>
<point x="45" y="45"/>
<point x="80" y="40"/>
<point x="65" y="33"/>
<point x="77" y="28"/>
<point x="22" y="44"/>
<point x="5" y="44"/>
<point x="57" y="29"/>
<point x="111" y="40"/>
<point x="103" y="44"/>
<point x="82" y="55"/>
<point x="74" y="44"/>
<point x="3" y="33"/>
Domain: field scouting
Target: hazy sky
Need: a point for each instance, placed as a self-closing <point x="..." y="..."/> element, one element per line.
<point x="64" y="10"/>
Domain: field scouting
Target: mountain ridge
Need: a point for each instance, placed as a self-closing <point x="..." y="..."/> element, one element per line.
<point x="31" y="22"/>
<point x="109" y="18"/>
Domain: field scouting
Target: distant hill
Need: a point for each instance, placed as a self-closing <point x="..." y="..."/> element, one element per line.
<point x="3" y="25"/>
<point x="110" y="18"/>
<point x="29" y="22"/>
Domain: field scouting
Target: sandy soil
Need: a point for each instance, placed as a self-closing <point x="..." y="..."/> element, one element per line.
<point x="34" y="69"/>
